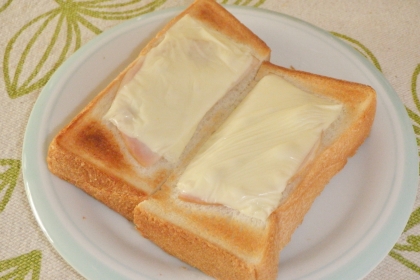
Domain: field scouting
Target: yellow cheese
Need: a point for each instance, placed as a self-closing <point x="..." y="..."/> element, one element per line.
<point x="248" y="162"/>
<point x="177" y="83"/>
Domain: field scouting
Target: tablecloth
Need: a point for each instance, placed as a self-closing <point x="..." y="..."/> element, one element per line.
<point x="36" y="37"/>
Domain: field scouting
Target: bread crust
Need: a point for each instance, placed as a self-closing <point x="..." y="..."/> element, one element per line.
<point x="100" y="184"/>
<point x="250" y="249"/>
<point x="90" y="152"/>
<point x="218" y="18"/>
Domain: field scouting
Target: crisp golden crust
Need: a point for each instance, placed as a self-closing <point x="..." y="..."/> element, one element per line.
<point x="96" y="140"/>
<point x="220" y="19"/>
<point x="91" y="154"/>
<point x="352" y="94"/>
<point x="92" y="162"/>
<point x="212" y="231"/>
<point x="100" y="185"/>
<point x="199" y="252"/>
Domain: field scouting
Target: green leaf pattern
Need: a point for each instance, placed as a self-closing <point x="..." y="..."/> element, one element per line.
<point x="55" y="35"/>
<point x="413" y="115"/>
<point x="401" y="251"/>
<point x="26" y="266"/>
<point x="253" y="3"/>
<point x="360" y="48"/>
<point x="4" y="5"/>
<point x="8" y="180"/>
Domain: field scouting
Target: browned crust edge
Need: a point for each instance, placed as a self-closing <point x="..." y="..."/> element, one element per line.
<point x="355" y="93"/>
<point x="202" y="254"/>
<point x="218" y="18"/>
<point x="113" y="192"/>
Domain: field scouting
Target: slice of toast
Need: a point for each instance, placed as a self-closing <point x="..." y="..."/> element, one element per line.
<point x="91" y="153"/>
<point x="226" y="244"/>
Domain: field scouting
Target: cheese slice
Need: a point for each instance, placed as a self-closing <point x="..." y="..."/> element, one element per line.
<point x="247" y="163"/>
<point x="178" y="81"/>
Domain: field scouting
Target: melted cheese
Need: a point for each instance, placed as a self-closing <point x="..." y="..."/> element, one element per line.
<point x="248" y="162"/>
<point x="177" y="83"/>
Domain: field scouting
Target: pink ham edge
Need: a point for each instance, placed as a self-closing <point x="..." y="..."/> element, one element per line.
<point x="140" y="151"/>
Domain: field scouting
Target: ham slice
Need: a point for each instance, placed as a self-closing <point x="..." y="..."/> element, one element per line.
<point x="140" y="151"/>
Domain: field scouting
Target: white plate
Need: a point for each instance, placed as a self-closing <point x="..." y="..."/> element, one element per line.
<point x="351" y="226"/>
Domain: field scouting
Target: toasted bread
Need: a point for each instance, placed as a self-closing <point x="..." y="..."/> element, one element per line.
<point x="91" y="153"/>
<point x="226" y="244"/>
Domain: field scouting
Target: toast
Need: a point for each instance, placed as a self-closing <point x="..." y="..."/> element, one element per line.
<point x="225" y="243"/>
<point x="94" y="155"/>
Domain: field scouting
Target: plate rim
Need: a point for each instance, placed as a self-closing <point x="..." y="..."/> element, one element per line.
<point x="404" y="122"/>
